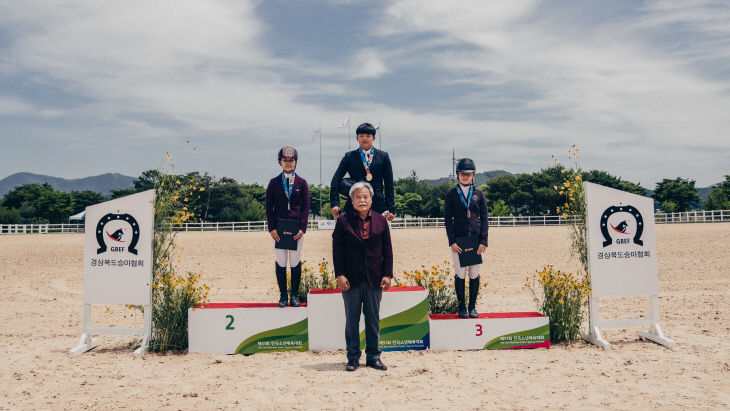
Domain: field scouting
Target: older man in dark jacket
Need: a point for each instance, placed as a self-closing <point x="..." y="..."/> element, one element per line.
<point x="363" y="260"/>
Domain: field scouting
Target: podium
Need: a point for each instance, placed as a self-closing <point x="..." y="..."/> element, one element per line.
<point x="246" y="328"/>
<point x="491" y="331"/>
<point x="403" y="320"/>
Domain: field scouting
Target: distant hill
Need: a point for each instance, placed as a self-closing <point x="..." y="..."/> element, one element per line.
<point x="479" y="178"/>
<point x="103" y="183"/>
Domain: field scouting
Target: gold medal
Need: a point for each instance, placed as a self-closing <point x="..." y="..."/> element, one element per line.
<point x="369" y="177"/>
<point x="468" y="214"/>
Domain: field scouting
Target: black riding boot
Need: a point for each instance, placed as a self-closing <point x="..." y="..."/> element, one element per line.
<point x="459" y="284"/>
<point x="473" y="293"/>
<point x="281" y="280"/>
<point x="296" y="278"/>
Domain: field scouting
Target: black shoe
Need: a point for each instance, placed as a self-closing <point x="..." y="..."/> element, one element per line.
<point x="462" y="312"/>
<point x="352" y="365"/>
<point x="281" y="281"/>
<point x="473" y="293"/>
<point x="294" y="301"/>
<point x="377" y="364"/>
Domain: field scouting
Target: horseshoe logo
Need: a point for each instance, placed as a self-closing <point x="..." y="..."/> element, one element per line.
<point x="128" y="218"/>
<point x="622" y="209"/>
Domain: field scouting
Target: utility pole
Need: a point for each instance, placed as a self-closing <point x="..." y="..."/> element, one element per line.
<point x="453" y="166"/>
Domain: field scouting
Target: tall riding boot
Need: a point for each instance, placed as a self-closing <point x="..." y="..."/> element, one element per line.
<point x="473" y="293"/>
<point x="281" y="280"/>
<point x="296" y="278"/>
<point x="459" y="284"/>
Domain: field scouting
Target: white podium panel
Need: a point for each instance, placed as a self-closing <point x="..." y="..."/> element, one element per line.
<point x="247" y="328"/>
<point x="403" y="320"/>
<point x="491" y="331"/>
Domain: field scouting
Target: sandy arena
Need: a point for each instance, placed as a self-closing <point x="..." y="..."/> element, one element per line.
<point x="40" y="312"/>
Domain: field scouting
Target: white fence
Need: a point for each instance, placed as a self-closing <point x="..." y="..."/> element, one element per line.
<point x="416" y="222"/>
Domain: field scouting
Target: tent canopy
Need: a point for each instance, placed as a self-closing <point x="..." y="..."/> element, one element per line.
<point x="78" y="217"/>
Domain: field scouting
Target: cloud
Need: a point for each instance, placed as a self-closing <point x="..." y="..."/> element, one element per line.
<point x="508" y="82"/>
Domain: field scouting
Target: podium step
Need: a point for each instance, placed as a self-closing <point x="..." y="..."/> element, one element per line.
<point x="491" y="331"/>
<point x="247" y="328"/>
<point x="403" y="320"/>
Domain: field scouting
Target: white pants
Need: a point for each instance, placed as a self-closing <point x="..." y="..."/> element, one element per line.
<point x="292" y="256"/>
<point x="472" y="270"/>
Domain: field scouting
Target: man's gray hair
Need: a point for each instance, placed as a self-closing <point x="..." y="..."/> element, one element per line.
<point x="359" y="185"/>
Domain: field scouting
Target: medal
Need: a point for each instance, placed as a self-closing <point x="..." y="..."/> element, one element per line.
<point x="465" y="201"/>
<point x="367" y="159"/>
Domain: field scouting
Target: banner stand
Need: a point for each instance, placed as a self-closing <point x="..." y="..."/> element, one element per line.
<point x="622" y="259"/>
<point x="654" y="333"/>
<point x="118" y="264"/>
<point x="86" y="343"/>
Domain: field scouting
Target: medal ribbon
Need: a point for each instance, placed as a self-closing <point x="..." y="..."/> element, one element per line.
<point x="464" y="200"/>
<point x="367" y="159"/>
<point x="288" y="187"/>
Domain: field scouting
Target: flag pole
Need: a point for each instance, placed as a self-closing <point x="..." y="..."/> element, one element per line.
<point x="320" y="168"/>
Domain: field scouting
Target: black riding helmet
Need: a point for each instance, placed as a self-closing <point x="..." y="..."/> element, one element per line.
<point x="288" y="151"/>
<point x="365" y="128"/>
<point x="466" y="165"/>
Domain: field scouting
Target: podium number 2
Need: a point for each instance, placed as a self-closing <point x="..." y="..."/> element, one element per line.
<point x="230" y="324"/>
<point x="479" y="329"/>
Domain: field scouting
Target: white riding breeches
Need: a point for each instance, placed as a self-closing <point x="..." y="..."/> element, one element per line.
<point x="293" y="257"/>
<point x="461" y="272"/>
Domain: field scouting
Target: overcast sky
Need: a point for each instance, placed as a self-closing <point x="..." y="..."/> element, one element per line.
<point x="88" y="87"/>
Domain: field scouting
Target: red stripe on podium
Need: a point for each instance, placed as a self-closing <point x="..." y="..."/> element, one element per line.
<point x="487" y="315"/>
<point x="241" y="305"/>
<point x="390" y="290"/>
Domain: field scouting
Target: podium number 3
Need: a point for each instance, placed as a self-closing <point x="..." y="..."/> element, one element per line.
<point x="479" y="329"/>
<point x="230" y="324"/>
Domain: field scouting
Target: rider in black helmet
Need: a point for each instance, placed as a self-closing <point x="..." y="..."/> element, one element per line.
<point x="465" y="214"/>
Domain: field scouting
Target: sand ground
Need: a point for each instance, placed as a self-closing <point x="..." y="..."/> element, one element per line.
<point x="40" y="313"/>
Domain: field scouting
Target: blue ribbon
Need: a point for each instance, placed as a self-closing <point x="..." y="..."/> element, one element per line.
<point x="287" y="188"/>
<point x="464" y="200"/>
<point x="366" y="162"/>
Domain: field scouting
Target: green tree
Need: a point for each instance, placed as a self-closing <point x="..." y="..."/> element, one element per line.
<point x="605" y="179"/>
<point x="408" y="203"/>
<point x="229" y="201"/>
<point x="680" y="191"/>
<point x="54" y="206"/>
<point x="719" y="197"/>
<point x="500" y="208"/>
<point x="669" y="207"/>
<point x="83" y="199"/>
<point x="10" y="216"/>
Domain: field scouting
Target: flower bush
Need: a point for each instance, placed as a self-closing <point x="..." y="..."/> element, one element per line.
<point x="172" y="293"/>
<point x="322" y="278"/>
<point x="439" y="282"/>
<point x="562" y="297"/>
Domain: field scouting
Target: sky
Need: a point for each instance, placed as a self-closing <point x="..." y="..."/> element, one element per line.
<point x="89" y="87"/>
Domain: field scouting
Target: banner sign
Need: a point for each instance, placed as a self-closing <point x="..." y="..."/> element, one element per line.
<point x="621" y="242"/>
<point x="491" y="331"/>
<point x="326" y="224"/>
<point x="247" y="328"/>
<point x="403" y="320"/>
<point x="118" y="251"/>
